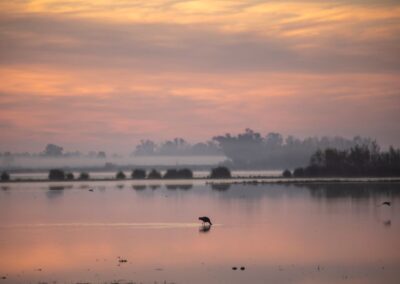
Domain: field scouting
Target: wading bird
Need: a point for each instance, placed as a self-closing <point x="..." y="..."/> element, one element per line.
<point x="205" y="219"/>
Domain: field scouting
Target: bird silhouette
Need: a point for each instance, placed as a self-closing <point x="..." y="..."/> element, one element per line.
<point x="205" y="219"/>
<point x="388" y="203"/>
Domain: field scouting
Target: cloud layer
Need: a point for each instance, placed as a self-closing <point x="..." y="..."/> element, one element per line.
<point x="108" y="74"/>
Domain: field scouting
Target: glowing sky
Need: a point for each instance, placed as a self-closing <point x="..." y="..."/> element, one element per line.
<point x="105" y="74"/>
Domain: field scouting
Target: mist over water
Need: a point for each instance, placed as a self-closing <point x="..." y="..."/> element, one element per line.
<point x="45" y="163"/>
<point x="246" y="150"/>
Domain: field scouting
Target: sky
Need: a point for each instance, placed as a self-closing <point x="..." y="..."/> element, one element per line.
<point x="102" y="75"/>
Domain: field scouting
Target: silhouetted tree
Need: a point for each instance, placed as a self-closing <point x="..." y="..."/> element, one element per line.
<point x="360" y="160"/>
<point x="70" y="176"/>
<point x="154" y="174"/>
<point x="146" y="147"/>
<point x="84" y="176"/>
<point x="101" y="155"/>
<point x="138" y="174"/>
<point x="185" y="173"/>
<point x="171" y="174"/>
<point x="56" y="174"/>
<point x="178" y="174"/>
<point x="298" y="172"/>
<point x="120" y="175"/>
<point x="53" y="150"/>
<point x="220" y="172"/>
<point x="176" y="147"/>
<point x="251" y="150"/>
<point x="5" y="176"/>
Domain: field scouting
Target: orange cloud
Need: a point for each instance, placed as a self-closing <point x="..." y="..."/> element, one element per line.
<point x="159" y="69"/>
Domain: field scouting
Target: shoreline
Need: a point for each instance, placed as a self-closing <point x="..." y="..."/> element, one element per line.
<point x="233" y="180"/>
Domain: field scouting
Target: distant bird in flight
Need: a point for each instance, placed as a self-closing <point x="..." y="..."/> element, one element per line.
<point x="388" y="203"/>
<point x="205" y="219"/>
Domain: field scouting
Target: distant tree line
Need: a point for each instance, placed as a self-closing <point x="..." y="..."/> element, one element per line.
<point x="360" y="160"/>
<point x="251" y="150"/>
<point x="56" y="151"/>
<point x="246" y="150"/>
<point x="185" y="173"/>
<point x="176" y="147"/>
<point x="58" y="174"/>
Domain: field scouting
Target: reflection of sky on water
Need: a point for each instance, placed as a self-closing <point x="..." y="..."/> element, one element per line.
<point x="281" y="233"/>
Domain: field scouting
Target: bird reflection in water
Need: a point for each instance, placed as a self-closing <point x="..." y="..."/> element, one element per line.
<point x="205" y="228"/>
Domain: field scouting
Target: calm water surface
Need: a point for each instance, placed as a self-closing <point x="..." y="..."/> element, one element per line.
<point x="335" y="233"/>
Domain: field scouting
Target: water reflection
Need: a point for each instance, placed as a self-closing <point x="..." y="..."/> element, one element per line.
<point x="220" y="186"/>
<point x="57" y="187"/>
<point x="281" y="233"/>
<point x="171" y="186"/>
<point x="205" y="228"/>
<point x="55" y="191"/>
<point x="178" y="186"/>
<point x="139" y="187"/>
<point x="374" y="191"/>
<point x="353" y="190"/>
<point x="185" y="186"/>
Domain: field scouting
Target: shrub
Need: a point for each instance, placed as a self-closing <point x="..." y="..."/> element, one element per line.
<point x="220" y="172"/>
<point x="5" y="176"/>
<point x="171" y="174"/>
<point x="178" y="174"/>
<point x="185" y="173"/>
<point x="220" y="186"/>
<point x="154" y="174"/>
<point x="120" y="175"/>
<point x="287" y="174"/>
<point x="56" y="174"/>
<point x="84" y="176"/>
<point x="70" y="176"/>
<point x="138" y="174"/>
